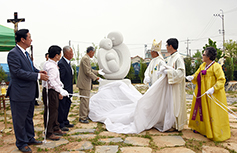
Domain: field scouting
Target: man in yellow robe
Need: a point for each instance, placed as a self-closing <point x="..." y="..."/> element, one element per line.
<point x="213" y="121"/>
<point x="176" y="77"/>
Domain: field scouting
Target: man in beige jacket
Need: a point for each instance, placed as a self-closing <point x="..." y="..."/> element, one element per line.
<point x="84" y="80"/>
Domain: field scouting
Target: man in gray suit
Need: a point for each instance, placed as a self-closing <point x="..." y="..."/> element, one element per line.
<point x="22" y="90"/>
<point x="84" y="81"/>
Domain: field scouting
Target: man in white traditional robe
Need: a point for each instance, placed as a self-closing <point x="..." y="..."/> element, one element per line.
<point x="176" y="77"/>
<point x="154" y="66"/>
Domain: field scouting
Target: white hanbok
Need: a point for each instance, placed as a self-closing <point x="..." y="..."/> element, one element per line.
<point x="124" y="110"/>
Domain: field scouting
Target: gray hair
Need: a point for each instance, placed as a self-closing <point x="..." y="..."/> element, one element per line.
<point x="66" y="49"/>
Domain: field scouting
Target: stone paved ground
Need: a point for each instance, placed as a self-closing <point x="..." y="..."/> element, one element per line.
<point x="94" y="138"/>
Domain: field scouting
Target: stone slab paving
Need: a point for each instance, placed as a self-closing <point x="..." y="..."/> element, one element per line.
<point x="2" y="118"/>
<point x="231" y="146"/>
<point x="36" y="122"/>
<point x="136" y="150"/>
<point x="82" y="131"/>
<point x="210" y="149"/>
<point x="52" y="144"/>
<point x="170" y="141"/>
<point x="91" y="125"/>
<point x="71" y="119"/>
<point x="79" y="146"/>
<point x="233" y="125"/>
<point x="137" y="141"/>
<point x="188" y="134"/>
<point x="10" y="139"/>
<point x="154" y="131"/>
<point x="232" y="119"/>
<point x="109" y="134"/>
<point x="106" y="149"/>
<point x="175" y="150"/>
<point x="111" y="140"/>
<point x="233" y="137"/>
<point x="73" y="152"/>
<point x="8" y="112"/>
<point x="83" y="136"/>
<point x="38" y="129"/>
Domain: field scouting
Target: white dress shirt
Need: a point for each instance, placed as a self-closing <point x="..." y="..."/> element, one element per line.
<point x="54" y="82"/>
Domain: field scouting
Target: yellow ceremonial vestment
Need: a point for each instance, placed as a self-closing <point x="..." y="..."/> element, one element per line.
<point x="215" y="124"/>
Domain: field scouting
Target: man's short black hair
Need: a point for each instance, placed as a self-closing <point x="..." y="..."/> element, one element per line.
<point x="22" y="33"/>
<point x="89" y="49"/>
<point x="173" y="42"/>
<point x="211" y="53"/>
<point x="53" y="50"/>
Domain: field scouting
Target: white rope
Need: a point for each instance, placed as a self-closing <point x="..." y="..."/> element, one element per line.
<point x="226" y="108"/>
<point x="46" y="125"/>
<point x="224" y="105"/>
<point x="77" y="95"/>
<point x="213" y="98"/>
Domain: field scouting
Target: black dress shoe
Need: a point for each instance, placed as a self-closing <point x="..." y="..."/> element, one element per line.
<point x="69" y="125"/>
<point x="83" y="121"/>
<point x="64" y="128"/>
<point x="35" y="142"/>
<point x="26" y="149"/>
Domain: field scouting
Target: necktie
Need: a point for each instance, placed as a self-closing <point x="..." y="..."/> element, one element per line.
<point x="27" y="54"/>
<point x="71" y="68"/>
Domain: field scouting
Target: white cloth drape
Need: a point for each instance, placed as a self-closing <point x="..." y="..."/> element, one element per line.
<point x="124" y="110"/>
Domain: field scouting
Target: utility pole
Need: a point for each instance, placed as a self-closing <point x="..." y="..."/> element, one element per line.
<point x="145" y="46"/>
<point x="70" y="43"/>
<point x="223" y="30"/>
<point x="187" y="46"/>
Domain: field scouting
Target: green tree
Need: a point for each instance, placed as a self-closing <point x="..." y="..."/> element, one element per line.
<point x="188" y="65"/>
<point x="131" y="73"/>
<point x="143" y="67"/>
<point x="231" y="48"/>
<point x="213" y="44"/>
<point x="230" y="63"/>
<point x="3" y="75"/>
<point x="198" y="60"/>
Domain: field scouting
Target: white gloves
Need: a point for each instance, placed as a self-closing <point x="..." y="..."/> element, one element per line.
<point x="162" y="71"/>
<point x="189" y="78"/>
<point x="101" y="72"/>
<point x="100" y="79"/>
<point x="162" y="68"/>
<point x="169" y="67"/>
<point x="147" y="79"/>
<point x="64" y="92"/>
<point x="210" y="91"/>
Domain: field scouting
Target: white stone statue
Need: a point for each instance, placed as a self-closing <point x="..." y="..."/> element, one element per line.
<point x="114" y="57"/>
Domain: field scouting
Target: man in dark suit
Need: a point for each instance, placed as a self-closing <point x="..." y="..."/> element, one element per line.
<point x="66" y="77"/>
<point x="22" y="90"/>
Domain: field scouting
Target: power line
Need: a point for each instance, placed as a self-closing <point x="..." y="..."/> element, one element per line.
<point x="232" y="10"/>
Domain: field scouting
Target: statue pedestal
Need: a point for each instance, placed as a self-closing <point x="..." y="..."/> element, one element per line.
<point x="105" y="81"/>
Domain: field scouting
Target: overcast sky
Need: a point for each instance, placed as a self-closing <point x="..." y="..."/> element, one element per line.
<point x="55" y="22"/>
